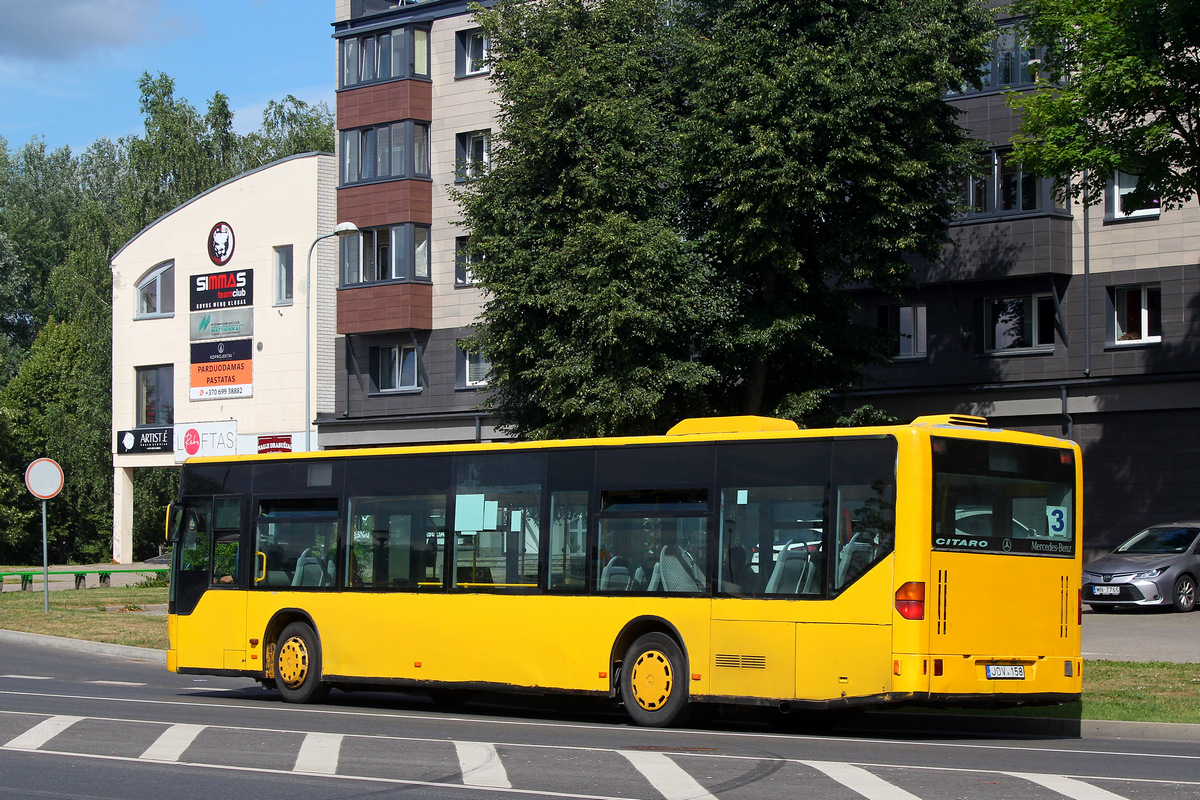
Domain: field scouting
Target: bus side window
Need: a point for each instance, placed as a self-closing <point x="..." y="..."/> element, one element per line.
<point x="396" y="542"/>
<point x="864" y="512"/>
<point x="227" y="535"/>
<point x="195" y="542"/>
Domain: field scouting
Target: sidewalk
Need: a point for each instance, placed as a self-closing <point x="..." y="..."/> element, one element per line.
<point x="118" y="576"/>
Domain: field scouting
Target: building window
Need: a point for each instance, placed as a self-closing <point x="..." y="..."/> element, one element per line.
<point x="155" y="395"/>
<point x="1137" y="317"/>
<point x="1001" y="188"/>
<point x="283" y="275"/>
<point x="472" y="50"/>
<point x="384" y="56"/>
<point x="1019" y="323"/>
<point x="474" y="154"/>
<point x="905" y="326"/>
<point x="464" y="261"/>
<point x="1119" y="205"/>
<point x="394" y="368"/>
<point x="385" y="152"/>
<point x="156" y="292"/>
<point x="473" y="367"/>
<point x="395" y="253"/>
<point x="1013" y="63"/>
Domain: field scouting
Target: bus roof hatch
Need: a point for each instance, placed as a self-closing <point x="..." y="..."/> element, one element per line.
<point x="744" y="424"/>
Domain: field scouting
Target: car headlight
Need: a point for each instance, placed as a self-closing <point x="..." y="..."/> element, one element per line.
<point x="1150" y="573"/>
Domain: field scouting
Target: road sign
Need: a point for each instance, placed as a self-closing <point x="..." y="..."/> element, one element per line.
<point x="44" y="478"/>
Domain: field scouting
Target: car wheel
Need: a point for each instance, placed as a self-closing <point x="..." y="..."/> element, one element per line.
<point x="1184" y="596"/>
<point x="653" y="681"/>
<point x="298" y="665"/>
<point x="1103" y="609"/>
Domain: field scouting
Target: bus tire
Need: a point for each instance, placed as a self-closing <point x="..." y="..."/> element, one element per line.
<point x="653" y="681"/>
<point x="298" y="665"/>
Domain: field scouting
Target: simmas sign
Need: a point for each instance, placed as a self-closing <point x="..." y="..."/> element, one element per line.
<point x="221" y="370"/>
<point x="222" y="290"/>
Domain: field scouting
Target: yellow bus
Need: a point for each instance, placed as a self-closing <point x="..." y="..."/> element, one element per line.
<point x="735" y="560"/>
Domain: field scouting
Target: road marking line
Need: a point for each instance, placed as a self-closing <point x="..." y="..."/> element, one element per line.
<point x="1077" y="790"/>
<point x="41" y="733"/>
<point x="115" y="683"/>
<point x="670" y="779"/>
<point x="319" y="753"/>
<point x="860" y="780"/>
<point x="28" y="677"/>
<point x="480" y="765"/>
<point x="172" y="742"/>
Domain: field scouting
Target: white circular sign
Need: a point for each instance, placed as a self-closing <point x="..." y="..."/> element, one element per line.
<point x="44" y="478"/>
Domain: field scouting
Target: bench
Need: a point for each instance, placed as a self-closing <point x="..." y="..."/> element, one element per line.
<point x="80" y="575"/>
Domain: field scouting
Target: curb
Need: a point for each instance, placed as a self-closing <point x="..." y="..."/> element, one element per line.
<point x="147" y="654"/>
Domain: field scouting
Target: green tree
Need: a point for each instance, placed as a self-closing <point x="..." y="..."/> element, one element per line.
<point x="1122" y="91"/>
<point x="680" y="192"/>
<point x="597" y="305"/>
<point x="181" y="154"/>
<point x="290" y="126"/>
<point x="820" y="153"/>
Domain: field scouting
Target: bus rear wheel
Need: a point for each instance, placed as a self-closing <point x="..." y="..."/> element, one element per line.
<point x="653" y="681"/>
<point x="298" y="664"/>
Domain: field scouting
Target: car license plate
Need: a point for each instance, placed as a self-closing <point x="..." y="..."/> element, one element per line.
<point x="1106" y="590"/>
<point x="1002" y="672"/>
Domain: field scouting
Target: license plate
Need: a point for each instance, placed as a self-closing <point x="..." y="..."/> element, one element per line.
<point x="1002" y="672"/>
<point x="1106" y="590"/>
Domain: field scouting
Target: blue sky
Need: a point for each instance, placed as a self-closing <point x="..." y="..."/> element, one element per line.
<point x="69" y="68"/>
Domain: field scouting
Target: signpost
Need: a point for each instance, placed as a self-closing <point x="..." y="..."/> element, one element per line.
<point x="44" y="480"/>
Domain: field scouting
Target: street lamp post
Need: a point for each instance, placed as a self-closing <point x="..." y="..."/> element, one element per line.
<point x="342" y="229"/>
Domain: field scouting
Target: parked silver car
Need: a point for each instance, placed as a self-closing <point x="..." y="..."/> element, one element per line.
<point x="1158" y="566"/>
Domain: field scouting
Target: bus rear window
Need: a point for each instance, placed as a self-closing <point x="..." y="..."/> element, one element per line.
<point x="995" y="497"/>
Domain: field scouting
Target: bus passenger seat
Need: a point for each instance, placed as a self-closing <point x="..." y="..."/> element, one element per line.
<point x="676" y="571"/>
<point x="791" y="569"/>
<point x="616" y="574"/>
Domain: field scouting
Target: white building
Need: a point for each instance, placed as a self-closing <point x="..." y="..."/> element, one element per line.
<point x="209" y="309"/>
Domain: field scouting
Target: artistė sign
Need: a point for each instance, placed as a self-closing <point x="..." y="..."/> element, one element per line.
<point x="233" y="323"/>
<point x="145" y="440"/>
<point x="205" y="439"/>
<point x="221" y="370"/>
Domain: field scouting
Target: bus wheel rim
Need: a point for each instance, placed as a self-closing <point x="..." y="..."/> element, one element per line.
<point x="293" y="662"/>
<point x="651" y="680"/>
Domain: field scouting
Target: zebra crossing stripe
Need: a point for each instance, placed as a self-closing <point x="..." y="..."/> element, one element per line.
<point x="860" y="780"/>
<point x="319" y="753"/>
<point x="41" y="733"/>
<point x="670" y="779"/>
<point x="1077" y="790"/>
<point x="171" y="743"/>
<point x="480" y="765"/>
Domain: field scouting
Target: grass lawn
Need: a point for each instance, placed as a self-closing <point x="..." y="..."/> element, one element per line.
<point x="1112" y="690"/>
<point x="80" y="614"/>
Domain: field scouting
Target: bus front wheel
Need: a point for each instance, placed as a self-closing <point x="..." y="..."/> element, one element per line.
<point x="654" y="681"/>
<point x="298" y="664"/>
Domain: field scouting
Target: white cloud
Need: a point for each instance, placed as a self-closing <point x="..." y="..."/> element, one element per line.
<point x="63" y="30"/>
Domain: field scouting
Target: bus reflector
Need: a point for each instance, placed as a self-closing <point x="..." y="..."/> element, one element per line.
<point x="910" y="600"/>
<point x="937" y="668"/>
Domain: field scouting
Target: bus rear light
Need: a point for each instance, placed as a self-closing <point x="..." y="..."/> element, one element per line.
<point x="895" y="666"/>
<point x="910" y="600"/>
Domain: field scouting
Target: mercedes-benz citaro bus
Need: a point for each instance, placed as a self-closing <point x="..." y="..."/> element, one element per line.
<point x="735" y="560"/>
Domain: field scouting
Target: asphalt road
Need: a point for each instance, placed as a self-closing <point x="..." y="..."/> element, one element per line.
<point x="79" y="724"/>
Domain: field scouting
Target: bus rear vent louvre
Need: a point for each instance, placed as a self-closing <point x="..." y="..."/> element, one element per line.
<point x="734" y="661"/>
<point x="943" y="592"/>
<point x="1064" y="607"/>
<point x="964" y="420"/>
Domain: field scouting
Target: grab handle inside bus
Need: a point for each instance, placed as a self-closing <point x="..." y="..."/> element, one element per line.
<point x="260" y="573"/>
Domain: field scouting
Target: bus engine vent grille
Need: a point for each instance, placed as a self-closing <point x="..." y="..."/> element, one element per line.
<point x="735" y="661"/>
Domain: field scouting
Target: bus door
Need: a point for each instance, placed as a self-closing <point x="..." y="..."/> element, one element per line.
<point x="212" y="574"/>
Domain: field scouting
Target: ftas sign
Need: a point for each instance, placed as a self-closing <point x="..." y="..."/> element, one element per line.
<point x="205" y="439"/>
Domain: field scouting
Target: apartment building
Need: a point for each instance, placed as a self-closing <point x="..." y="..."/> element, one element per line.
<point x="414" y="115"/>
<point x="1045" y="317"/>
<point x="1039" y="316"/>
